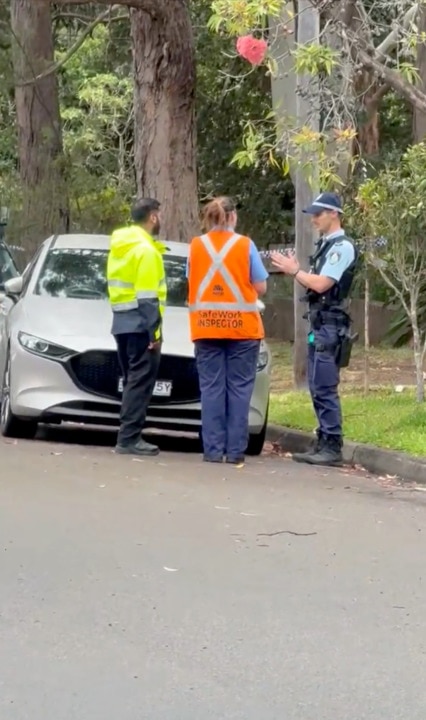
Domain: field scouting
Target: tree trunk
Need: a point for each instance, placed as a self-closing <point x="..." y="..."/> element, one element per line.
<point x="41" y="162"/>
<point x="164" y="100"/>
<point x="419" y="116"/>
<point x="418" y="353"/>
<point x="366" y="331"/>
<point x="307" y="114"/>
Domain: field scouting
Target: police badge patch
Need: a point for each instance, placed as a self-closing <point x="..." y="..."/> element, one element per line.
<point x="334" y="258"/>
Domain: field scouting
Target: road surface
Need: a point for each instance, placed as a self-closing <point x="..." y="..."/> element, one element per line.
<point x="168" y="589"/>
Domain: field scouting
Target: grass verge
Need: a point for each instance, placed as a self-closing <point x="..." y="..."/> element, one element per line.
<point x="383" y="418"/>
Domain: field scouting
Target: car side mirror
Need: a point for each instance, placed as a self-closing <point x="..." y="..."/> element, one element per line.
<point x="260" y="306"/>
<point x="13" y="287"/>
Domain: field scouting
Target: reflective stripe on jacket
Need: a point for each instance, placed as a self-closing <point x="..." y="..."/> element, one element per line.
<point x="222" y="299"/>
<point x="136" y="281"/>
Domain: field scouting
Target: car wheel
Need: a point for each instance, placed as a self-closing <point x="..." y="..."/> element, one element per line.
<point x="256" y="442"/>
<point x="10" y="425"/>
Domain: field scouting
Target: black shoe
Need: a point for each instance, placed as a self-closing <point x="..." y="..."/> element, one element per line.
<point x="317" y="446"/>
<point x="206" y="458"/>
<point x="330" y="453"/>
<point x="236" y="461"/>
<point x="140" y="448"/>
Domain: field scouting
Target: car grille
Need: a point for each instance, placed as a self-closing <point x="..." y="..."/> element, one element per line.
<point x="99" y="371"/>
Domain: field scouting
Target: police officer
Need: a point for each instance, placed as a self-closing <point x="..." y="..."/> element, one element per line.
<point x="328" y="285"/>
<point x="137" y="292"/>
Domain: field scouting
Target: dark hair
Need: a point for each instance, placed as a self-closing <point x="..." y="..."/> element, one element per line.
<point x="142" y="209"/>
<point x="217" y="212"/>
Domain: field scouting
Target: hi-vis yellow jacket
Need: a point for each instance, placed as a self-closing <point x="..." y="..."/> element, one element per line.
<point x="136" y="282"/>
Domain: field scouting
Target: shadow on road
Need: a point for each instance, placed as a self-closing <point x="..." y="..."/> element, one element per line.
<point x="105" y="437"/>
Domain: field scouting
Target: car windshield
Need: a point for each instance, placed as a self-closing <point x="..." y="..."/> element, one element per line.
<point x="8" y="269"/>
<point x="80" y="273"/>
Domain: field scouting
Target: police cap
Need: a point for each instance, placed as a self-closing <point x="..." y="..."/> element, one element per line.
<point x="325" y="201"/>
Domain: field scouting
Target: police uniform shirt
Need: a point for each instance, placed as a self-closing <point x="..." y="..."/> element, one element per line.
<point x="338" y="257"/>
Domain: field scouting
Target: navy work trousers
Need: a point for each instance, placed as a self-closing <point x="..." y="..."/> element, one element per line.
<point x="324" y="378"/>
<point x="227" y="372"/>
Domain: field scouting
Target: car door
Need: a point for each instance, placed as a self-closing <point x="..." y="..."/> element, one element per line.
<point x="8" y="270"/>
<point x="7" y="304"/>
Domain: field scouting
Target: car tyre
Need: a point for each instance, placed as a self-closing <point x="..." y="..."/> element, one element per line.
<point x="256" y="442"/>
<point x="10" y="425"/>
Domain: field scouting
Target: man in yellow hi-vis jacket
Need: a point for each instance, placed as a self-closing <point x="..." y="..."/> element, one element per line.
<point x="137" y="292"/>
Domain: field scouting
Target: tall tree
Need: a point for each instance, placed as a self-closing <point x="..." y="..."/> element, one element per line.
<point x="44" y="198"/>
<point x="164" y="103"/>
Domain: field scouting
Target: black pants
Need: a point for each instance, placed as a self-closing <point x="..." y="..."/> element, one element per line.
<point x="139" y="367"/>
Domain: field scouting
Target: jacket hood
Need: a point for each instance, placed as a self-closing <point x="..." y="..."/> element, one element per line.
<point x="124" y="240"/>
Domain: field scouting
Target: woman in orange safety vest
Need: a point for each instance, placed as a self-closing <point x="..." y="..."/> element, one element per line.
<point x="225" y="276"/>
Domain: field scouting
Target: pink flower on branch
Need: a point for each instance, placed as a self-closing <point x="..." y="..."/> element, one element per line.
<point x="252" y="49"/>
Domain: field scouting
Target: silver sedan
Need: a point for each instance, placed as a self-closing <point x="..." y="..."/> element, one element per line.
<point x="58" y="361"/>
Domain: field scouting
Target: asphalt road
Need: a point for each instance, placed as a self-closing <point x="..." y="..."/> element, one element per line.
<point x="167" y="589"/>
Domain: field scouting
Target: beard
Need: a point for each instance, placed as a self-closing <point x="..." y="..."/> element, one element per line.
<point x="156" y="229"/>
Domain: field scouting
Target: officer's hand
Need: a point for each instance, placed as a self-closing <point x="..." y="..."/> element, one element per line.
<point x="155" y="345"/>
<point x="286" y="263"/>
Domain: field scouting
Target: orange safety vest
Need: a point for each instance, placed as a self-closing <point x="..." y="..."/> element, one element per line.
<point x="222" y="299"/>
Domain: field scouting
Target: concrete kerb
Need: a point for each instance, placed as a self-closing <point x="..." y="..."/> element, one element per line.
<point x="372" y="459"/>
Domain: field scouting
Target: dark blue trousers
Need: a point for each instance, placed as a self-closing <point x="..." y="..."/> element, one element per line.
<point x="227" y="372"/>
<point x="324" y="378"/>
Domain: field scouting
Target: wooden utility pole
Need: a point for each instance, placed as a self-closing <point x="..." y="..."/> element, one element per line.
<point x="306" y="184"/>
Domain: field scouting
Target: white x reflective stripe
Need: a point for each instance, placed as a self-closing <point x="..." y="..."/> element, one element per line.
<point x="120" y="284"/>
<point x="217" y="266"/>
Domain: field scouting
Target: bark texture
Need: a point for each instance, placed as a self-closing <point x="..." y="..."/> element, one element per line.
<point x="164" y="101"/>
<point x="44" y="206"/>
<point x="419" y="116"/>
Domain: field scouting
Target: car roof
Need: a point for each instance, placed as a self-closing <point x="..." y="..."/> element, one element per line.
<point x="84" y="241"/>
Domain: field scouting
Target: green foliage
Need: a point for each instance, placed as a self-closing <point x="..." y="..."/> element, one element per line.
<point x="96" y="107"/>
<point x="315" y="59"/>
<point x="236" y="17"/>
<point x="298" y="149"/>
<point x="391" y="205"/>
<point x="227" y="99"/>
<point x="233" y="102"/>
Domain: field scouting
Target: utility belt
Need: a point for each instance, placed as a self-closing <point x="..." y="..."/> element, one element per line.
<point x="342" y="348"/>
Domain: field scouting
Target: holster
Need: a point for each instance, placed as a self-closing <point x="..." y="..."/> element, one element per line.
<point x="344" y="346"/>
<point x="343" y="349"/>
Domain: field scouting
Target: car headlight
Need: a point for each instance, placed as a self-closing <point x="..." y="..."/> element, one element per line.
<point x="38" y="346"/>
<point x="262" y="360"/>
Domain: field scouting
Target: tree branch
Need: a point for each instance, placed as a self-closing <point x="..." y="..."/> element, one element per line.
<point x="394" y="79"/>
<point x="372" y="104"/>
<point x="74" y="48"/>
<point x="398" y="293"/>
<point x="390" y="42"/>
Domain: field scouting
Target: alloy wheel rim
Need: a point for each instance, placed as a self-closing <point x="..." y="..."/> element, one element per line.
<point x="5" y="397"/>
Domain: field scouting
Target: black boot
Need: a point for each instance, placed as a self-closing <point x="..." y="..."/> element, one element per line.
<point x="329" y="454"/>
<point x="316" y="448"/>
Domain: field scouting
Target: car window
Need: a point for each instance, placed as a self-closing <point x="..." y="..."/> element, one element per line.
<point x="26" y="275"/>
<point x="80" y="273"/>
<point x="8" y="269"/>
